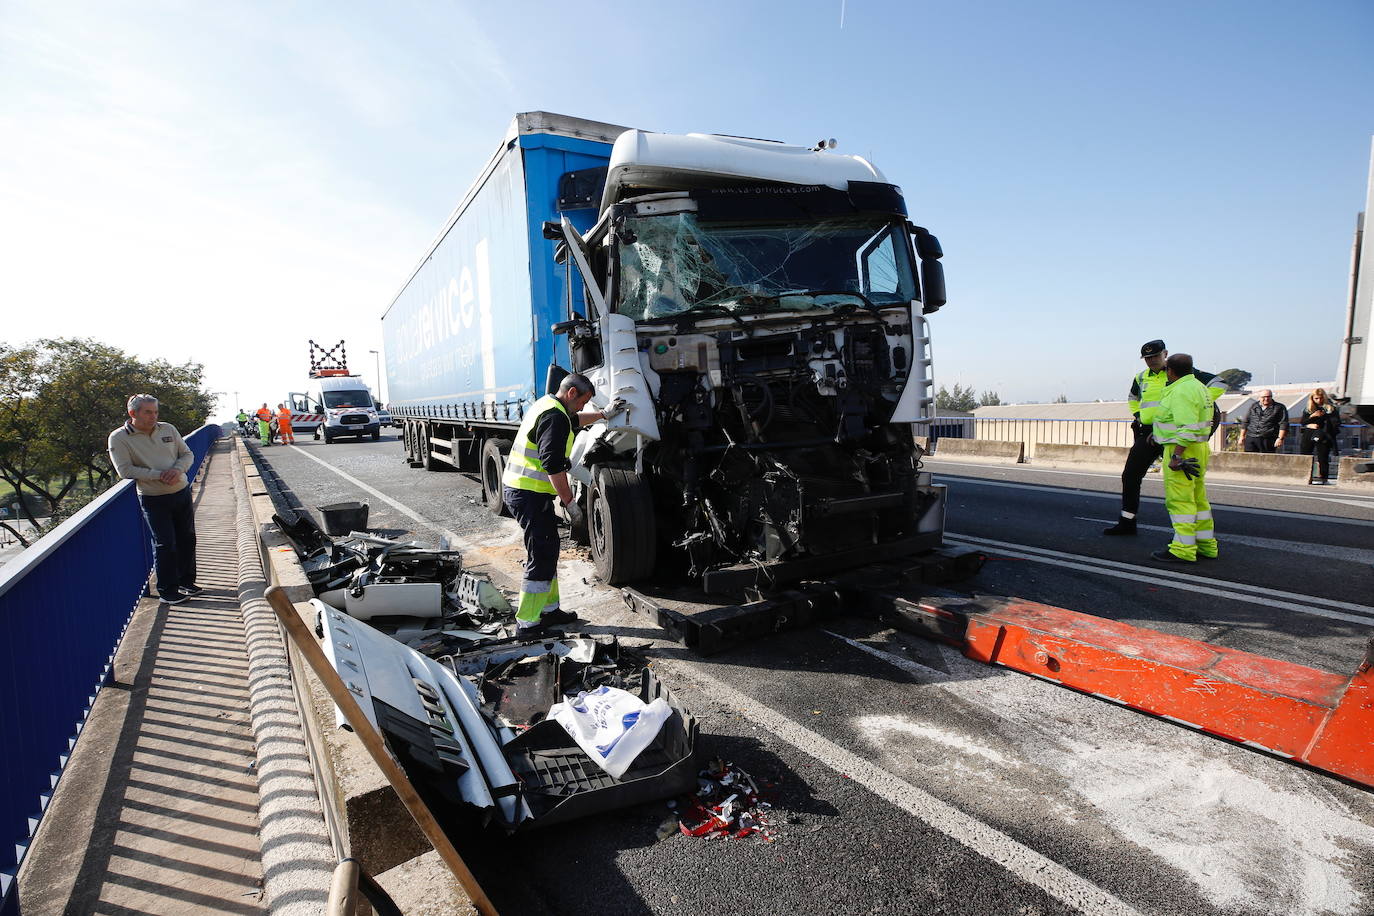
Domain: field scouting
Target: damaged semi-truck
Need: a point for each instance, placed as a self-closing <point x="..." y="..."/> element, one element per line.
<point x="760" y="307"/>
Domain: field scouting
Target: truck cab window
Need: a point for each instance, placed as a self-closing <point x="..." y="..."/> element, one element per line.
<point x="676" y="263"/>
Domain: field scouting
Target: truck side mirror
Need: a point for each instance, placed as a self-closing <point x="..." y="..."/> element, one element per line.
<point x="927" y="245"/>
<point x="568" y="327"/>
<point x="932" y="286"/>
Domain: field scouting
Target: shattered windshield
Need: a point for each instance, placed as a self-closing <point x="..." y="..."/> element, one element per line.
<point x="674" y="264"/>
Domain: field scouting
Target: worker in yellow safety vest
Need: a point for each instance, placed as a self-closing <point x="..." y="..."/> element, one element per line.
<point x="264" y="415"/>
<point x="1147" y="387"/>
<point x="1182" y="426"/>
<point x="537" y="472"/>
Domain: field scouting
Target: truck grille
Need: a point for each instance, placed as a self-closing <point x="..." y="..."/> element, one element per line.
<point x="353" y="419"/>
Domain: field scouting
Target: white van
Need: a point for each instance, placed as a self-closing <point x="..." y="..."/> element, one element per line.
<point x="345" y="403"/>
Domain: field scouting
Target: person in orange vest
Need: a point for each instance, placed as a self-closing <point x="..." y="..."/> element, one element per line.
<point x="264" y="415"/>
<point x="284" y="425"/>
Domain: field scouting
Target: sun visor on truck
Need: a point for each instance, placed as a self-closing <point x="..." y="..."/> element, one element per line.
<point x="792" y="201"/>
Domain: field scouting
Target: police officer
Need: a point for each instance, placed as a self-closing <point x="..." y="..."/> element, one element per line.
<point x="537" y="473"/>
<point x="1182" y="426"/>
<point x="1147" y="387"/>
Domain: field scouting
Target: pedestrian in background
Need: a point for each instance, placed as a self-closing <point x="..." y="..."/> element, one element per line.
<point x="154" y="456"/>
<point x="1320" y="427"/>
<point x="1265" y="425"/>
<point x="284" y="425"/>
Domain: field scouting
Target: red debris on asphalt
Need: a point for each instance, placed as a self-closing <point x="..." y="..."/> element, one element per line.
<point x="728" y="805"/>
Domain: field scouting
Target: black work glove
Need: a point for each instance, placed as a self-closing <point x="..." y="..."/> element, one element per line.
<point x="1188" y="466"/>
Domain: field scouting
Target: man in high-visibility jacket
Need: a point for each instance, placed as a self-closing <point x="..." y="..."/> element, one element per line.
<point x="1147" y="387"/>
<point x="242" y="419"/>
<point x="537" y="472"/>
<point x="264" y="415"/>
<point x="284" y="425"/>
<point x="1182" y="426"/>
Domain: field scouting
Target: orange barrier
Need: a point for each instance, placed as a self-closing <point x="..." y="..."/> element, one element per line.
<point x="1315" y="717"/>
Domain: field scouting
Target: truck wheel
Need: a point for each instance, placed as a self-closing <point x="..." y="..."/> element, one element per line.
<point x="328" y="439"/>
<point x="494" y="452"/>
<point x="376" y="434"/>
<point x="620" y="521"/>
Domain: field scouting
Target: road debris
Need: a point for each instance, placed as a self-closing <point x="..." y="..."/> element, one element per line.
<point x="729" y="804"/>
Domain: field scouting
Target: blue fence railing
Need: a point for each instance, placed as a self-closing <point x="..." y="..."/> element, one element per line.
<point x="64" y="605"/>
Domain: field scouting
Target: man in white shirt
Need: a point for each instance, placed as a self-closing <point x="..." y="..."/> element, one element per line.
<point x="155" y="457"/>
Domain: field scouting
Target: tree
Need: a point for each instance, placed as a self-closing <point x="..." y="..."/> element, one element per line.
<point x="989" y="399"/>
<point x="1236" y="378"/>
<point x="961" y="399"/>
<point x="59" y="399"/>
<point x="1062" y="399"/>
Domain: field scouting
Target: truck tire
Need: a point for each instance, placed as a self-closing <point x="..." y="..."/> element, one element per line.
<point x="494" y="452"/>
<point x="328" y="439"/>
<point x="376" y="434"/>
<point x="423" y="451"/>
<point x="620" y="522"/>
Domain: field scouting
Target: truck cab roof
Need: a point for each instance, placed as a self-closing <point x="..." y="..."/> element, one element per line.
<point x="643" y="161"/>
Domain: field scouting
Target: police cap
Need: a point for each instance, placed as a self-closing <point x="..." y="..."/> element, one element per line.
<point x="1151" y="348"/>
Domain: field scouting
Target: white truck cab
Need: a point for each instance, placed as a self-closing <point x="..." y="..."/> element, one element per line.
<point x="345" y="404"/>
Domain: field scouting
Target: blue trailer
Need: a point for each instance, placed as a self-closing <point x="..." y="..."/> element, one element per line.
<point x="468" y="339"/>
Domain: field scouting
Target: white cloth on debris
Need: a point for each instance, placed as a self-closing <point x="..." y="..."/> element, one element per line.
<point x="611" y="725"/>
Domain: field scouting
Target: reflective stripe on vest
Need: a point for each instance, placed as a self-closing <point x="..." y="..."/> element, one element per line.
<point x="524" y="470"/>
<point x="1151" y="386"/>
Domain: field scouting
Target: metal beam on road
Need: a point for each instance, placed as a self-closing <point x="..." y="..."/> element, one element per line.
<point x="1315" y="717"/>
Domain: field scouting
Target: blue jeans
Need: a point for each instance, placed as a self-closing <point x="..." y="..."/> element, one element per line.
<point x="172" y="520"/>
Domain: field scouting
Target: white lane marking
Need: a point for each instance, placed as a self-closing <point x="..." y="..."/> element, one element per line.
<point x="986" y="841"/>
<point x="1234" y="591"/>
<point x="1172" y="793"/>
<point x="1273" y="513"/>
<point x="454" y="540"/>
<point x="1350" y="554"/>
<point x="914" y="668"/>
<point x="1351" y="499"/>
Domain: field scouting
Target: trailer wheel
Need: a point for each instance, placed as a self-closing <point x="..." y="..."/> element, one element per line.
<point x="620" y="522"/>
<point x="494" y="452"/>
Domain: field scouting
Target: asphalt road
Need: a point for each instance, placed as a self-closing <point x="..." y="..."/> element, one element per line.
<point x="912" y="780"/>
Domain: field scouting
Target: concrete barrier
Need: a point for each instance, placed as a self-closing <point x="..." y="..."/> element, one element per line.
<point x="1087" y="457"/>
<point x="991" y="451"/>
<point x="364" y="815"/>
<point x="1258" y="467"/>
<point x="1351" y="479"/>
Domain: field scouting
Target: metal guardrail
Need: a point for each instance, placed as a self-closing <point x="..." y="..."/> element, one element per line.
<point x="1032" y="431"/>
<point x="65" y="603"/>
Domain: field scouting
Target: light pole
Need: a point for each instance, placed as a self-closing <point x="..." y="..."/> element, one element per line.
<point x="377" y="364"/>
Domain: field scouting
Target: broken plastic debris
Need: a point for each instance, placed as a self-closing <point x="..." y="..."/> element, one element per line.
<point x="727" y="806"/>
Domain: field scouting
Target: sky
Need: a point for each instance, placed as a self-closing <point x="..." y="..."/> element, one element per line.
<point x="221" y="182"/>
